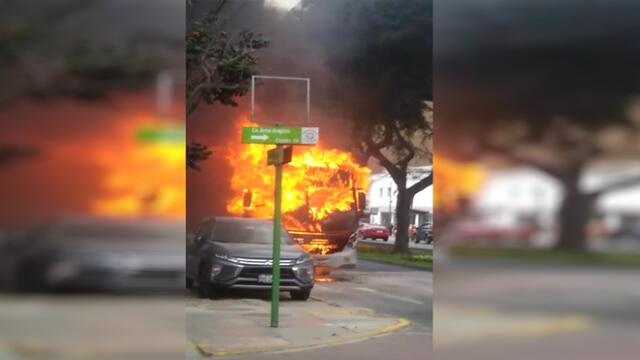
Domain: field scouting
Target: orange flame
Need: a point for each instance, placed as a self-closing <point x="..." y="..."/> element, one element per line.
<point x="316" y="183"/>
<point x="142" y="178"/>
<point x="454" y="182"/>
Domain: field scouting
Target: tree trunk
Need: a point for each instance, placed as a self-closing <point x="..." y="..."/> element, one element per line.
<point x="403" y="205"/>
<point x="574" y="216"/>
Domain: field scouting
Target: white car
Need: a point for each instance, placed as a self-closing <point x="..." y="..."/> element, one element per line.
<point x="330" y="251"/>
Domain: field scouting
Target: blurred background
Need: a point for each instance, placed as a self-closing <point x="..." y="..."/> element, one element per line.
<point x="537" y="179"/>
<point x="537" y="189"/>
<point x="92" y="178"/>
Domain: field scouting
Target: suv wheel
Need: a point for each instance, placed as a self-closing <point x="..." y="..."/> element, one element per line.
<point x="300" y="295"/>
<point x="206" y="290"/>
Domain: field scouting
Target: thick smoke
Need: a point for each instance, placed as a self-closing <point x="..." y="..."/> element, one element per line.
<point x="298" y="47"/>
<point x="534" y="59"/>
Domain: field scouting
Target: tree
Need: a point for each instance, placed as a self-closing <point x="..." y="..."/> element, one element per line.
<point x="44" y="54"/>
<point x="196" y="153"/>
<point x="219" y="69"/>
<point x="543" y="101"/>
<point x="380" y="53"/>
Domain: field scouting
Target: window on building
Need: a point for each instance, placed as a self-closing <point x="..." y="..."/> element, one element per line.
<point x="381" y="192"/>
<point x="389" y="192"/>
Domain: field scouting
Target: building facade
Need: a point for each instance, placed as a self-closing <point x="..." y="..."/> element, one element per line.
<point x="528" y="196"/>
<point x="383" y="192"/>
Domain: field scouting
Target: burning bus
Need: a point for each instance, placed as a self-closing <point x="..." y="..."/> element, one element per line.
<point x="323" y="198"/>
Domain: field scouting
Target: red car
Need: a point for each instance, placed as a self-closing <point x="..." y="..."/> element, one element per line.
<point x="373" y="232"/>
<point x="473" y="230"/>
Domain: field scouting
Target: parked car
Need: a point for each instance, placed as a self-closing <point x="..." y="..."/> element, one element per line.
<point x="424" y="233"/>
<point x="474" y="230"/>
<point x="236" y="253"/>
<point x="369" y="231"/>
<point x="88" y="253"/>
<point x="629" y="231"/>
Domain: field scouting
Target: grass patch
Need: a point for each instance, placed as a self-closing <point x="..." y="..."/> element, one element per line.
<point x="551" y="256"/>
<point x="417" y="258"/>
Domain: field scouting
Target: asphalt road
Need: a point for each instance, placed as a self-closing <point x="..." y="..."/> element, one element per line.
<point x="385" y="288"/>
<point x="388" y="289"/>
<point x="514" y="311"/>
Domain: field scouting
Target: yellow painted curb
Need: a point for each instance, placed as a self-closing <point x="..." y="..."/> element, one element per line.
<point x="399" y="324"/>
<point x="526" y="329"/>
<point x="31" y="350"/>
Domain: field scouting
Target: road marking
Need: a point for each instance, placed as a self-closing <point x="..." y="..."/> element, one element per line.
<point x="401" y="298"/>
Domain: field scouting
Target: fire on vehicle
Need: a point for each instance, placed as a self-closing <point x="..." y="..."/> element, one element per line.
<point x="323" y="198"/>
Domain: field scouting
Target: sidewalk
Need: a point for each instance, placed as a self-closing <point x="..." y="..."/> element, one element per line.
<point x="92" y="326"/>
<point x="241" y="326"/>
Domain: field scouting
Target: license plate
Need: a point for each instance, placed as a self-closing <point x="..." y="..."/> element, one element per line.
<point x="265" y="278"/>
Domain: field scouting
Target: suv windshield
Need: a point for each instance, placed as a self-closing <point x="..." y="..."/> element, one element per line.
<point x="247" y="232"/>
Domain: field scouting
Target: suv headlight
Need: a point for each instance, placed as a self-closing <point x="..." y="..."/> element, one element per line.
<point x="304" y="272"/>
<point x="226" y="257"/>
<point x="304" y="259"/>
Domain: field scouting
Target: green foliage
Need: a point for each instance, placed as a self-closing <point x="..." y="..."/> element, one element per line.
<point x="46" y="53"/>
<point x="13" y="39"/>
<point x="546" y="257"/>
<point x="219" y="69"/>
<point x="219" y="66"/>
<point x="417" y="258"/>
<point x="195" y="154"/>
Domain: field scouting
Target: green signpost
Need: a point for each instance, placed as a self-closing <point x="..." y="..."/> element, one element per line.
<point x="278" y="156"/>
<point x="277" y="236"/>
<point x="280" y="135"/>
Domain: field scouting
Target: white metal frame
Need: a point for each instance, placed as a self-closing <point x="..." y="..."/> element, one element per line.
<point x="253" y="97"/>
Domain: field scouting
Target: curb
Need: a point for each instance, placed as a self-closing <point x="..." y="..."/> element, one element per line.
<point x="31" y="350"/>
<point x="401" y="265"/>
<point x="400" y="324"/>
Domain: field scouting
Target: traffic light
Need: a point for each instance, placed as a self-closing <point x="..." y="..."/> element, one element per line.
<point x="280" y="155"/>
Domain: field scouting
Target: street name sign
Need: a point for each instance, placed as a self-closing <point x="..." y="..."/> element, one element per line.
<point x="280" y="135"/>
<point x="161" y="134"/>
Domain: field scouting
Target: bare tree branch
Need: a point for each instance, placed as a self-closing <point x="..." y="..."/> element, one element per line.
<point x="618" y="185"/>
<point x="374" y="150"/>
<point x="420" y="185"/>
<point x="510" y="154"/>
<point x="404" y="162"/>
